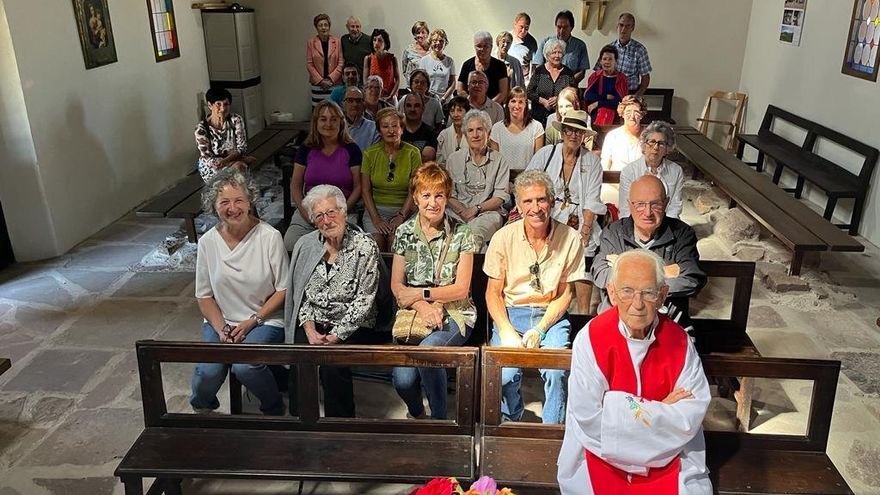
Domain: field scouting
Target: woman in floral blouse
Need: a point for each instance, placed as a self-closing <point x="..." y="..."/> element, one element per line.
<point x="221" y="137"/>
<point x="333" y="282"/>
<point x="441" y="298"/>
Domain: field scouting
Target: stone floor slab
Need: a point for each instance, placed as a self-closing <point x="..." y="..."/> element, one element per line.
<point x="90" y="280"/>
<point x="37" y="321"/>
<point x="48" y="410"/>
<point x="863" y="368"/>
<point x="147" y="284"/>
<point x="119" y="232"/>
<point x="43" y="290"/>
<point x="59" y="370"/>
<point x="154" y="235"/>
<point x="764" y="317"/>
<point x="78" y="486"/>
<point x="117" y="324"/>
<point x="120" y="378"/>
<point x="110" y="256"/>
<point x="186" y="325"/>
<point x="83" y="439"/>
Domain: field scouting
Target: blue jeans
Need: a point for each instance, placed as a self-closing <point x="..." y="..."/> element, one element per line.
<point x="208" y="377"/>
<point x="555" y="381"/>
<point x="409" y="381"/>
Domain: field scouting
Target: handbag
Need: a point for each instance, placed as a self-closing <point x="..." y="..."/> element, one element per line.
<point x="409" y="327"/>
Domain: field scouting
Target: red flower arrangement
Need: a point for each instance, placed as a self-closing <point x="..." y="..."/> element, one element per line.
<point x="450" y="486"/>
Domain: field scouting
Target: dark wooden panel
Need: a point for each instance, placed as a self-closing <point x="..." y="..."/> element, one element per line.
<point x="5" y="364"/>
<point x="742" y="471"/>
<point x="169" y="453"/>
<point x="836" y="239"/>
<point x="166" y="201"/>
<point x="520" y="461"/>
<point x="268" y="149"/>
<point x="777" y="221"/>
<point x="259" y="138"/>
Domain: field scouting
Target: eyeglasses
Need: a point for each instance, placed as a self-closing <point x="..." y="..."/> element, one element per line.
<point x="390" y="176"/>
<point x="353" y="100"/>
<point x="478" y="82"/>
<point x="535" y="282"/>
<point x="633" y="112"/>
<point x="657" y="206"/>
<point x="329" y="215"/>
<point x="656" y="144"/>
<point x="572" y="131"/>
<point x="627" y="294"/>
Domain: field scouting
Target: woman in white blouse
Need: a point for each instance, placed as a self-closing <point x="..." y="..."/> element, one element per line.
<point x="518" y="136"/>
<point x="658" y="140"/>
<point x="241" y="281"/>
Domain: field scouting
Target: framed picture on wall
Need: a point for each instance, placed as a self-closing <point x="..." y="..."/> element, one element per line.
<point x="95" y="32"/>
<point x="861" y="57"/>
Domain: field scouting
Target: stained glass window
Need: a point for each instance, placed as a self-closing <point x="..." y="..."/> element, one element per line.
<point x="164" y="27"/>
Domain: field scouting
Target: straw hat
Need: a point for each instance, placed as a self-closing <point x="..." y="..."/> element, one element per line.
<point x="577" y="119"/>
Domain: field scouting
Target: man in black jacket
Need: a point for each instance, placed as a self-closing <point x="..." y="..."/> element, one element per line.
<point x="648" y="227"/>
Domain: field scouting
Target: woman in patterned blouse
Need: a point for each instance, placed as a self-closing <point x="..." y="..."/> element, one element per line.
<point x="441" y="297"/>
<point x="333" y="282"/>
<point x="221" y="137"/>
<point x="548" y="80"/>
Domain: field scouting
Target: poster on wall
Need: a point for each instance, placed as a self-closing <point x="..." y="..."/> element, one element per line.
<point x="95" y="33"/>
<point x="860" y="58"/>
<point x="792" y="21"/>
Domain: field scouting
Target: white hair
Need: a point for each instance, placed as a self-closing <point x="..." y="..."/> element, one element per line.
<point x="551" y="45"/>
<point x="481" y="115"/>
<point x="643" y="254"/>
<point x="322" y="192"/>
<point x="482" y="35"/>
<point x="534" y="178"/>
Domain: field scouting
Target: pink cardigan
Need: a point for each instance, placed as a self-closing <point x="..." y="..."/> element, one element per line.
<point x="315" y="60"/>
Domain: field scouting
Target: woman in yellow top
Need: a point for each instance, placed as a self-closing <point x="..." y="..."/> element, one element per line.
<point x="386" y="169"/>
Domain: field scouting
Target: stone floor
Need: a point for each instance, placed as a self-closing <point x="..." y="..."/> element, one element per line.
<point x="69" y="407"/>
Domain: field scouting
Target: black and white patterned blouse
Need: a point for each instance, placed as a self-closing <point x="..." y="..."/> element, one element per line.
<point x="216" y="144"/>
<point x="342" y="294"/>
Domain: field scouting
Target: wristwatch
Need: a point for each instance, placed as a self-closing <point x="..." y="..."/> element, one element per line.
<point x="426" y="294"/>
<point x="257" y="318"/>
<point x="479" y="208"/>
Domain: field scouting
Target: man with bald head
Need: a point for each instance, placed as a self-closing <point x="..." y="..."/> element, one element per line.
<point x="649" y="228"/>
<point x="637" y="394"/>
<point x="356" y="45"/>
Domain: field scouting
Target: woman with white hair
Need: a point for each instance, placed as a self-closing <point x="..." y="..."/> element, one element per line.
<point x="658" y="140"/>
<point x="480" y="177"/>
<point x="495" y="70"/>
<point x="548" y="80"/>
<point x="240" y="289"/>
<point x="333" y="279"/>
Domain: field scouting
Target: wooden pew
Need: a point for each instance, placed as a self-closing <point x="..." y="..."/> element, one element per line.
<point x="174" y="446"/>
<point x="798" y="227"/>
<point x="184" y="199"/>
<point x="524" y="454"/>
<point x="836" y="181"/>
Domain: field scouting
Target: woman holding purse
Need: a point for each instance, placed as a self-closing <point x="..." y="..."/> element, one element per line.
<point x="431" y="279"/>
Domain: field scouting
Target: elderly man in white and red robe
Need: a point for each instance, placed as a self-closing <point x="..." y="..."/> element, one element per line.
<point x="637" y="395"/>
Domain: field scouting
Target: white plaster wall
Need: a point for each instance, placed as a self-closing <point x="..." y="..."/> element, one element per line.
<point x="806" y="80"/>
<point x="695" y="45"/>
<point x="19" y="172"/>
<point x="103" y="140"/>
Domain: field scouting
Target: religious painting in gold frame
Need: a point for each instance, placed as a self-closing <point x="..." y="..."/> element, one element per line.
<point x="861" y="57"/>
<point x="95" y="32"/>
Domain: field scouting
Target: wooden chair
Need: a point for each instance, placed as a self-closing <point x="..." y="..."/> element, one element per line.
<point x="733" y="125"/>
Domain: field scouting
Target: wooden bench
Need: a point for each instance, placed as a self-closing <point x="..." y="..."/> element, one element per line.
<point x="184" y="199"/>
<point x="176" y="446"/>
<point x="836" y="181"/>
<point x="525" y="454"/>
<point x="798" y="227"/>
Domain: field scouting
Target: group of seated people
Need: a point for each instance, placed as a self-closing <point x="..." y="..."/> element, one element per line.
<point x="335" y="287"/>
<point x="509" y="171"/>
